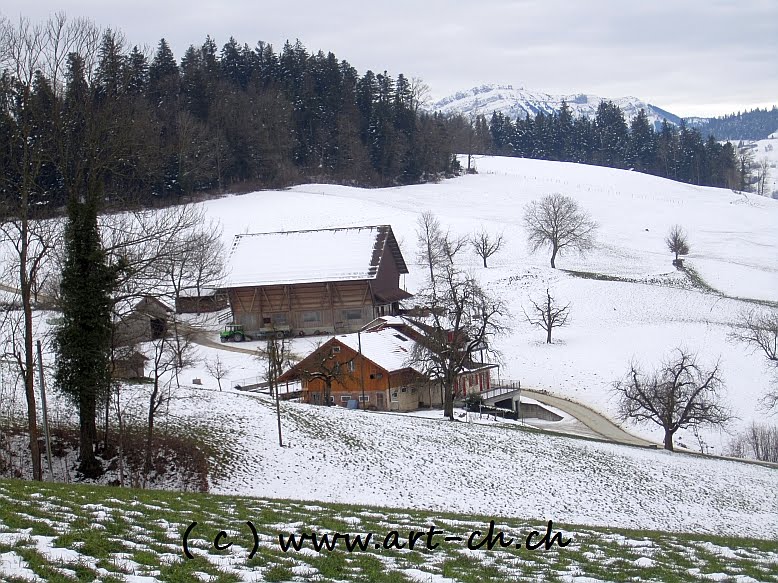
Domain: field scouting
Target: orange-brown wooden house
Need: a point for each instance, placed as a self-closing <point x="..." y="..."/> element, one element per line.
<point x="373" y="370"/>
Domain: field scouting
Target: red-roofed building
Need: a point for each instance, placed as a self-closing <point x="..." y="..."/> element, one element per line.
<point x="374" y="370"/>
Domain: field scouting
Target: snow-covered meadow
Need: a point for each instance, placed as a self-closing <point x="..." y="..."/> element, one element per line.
<point x="643" y="311"/>
<point x="734" y="247"/>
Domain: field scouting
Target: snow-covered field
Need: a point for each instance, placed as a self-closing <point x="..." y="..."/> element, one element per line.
<point x="336" y="455"/>
<point x="404" y="461"/>
<point x="734" y="247"/>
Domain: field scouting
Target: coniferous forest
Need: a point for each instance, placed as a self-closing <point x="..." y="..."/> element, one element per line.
<point x="148" y="129"/>
<point x="675" y="152"/>
<point x="82" y="111"/>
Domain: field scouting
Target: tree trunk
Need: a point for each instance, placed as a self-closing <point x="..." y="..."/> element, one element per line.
<point x="150" y="428"/>
<point x="669" y="440"/>
<point x="89" y="467"/>
<point x="485" y="266"/>
<point x="553" y="257"/>
<point x="29" y="356"/>
<point x="548" y="335"/>
<point x="448" y="402"/>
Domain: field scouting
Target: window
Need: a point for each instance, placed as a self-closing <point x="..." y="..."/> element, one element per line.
<point x="352" y="314"/>
<point x="312" y="317"/>
<point x="335" y="349"/>
<point x="364" y="399"/>
<point x="332" y="399"/>
<point x="394" y="397"/>
<point x="345" y="398"/>
<point x="351" y="366"/>
<point x="377" y="375"/>
<point x="279" y="319"/>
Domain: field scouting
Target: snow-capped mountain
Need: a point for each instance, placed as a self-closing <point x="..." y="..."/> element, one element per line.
<point x="519" y="102"/>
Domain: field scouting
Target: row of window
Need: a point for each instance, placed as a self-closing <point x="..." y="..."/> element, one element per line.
<point x="310" y="318"/>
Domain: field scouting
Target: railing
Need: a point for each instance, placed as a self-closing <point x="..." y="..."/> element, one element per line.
<point x="501" y="389"/>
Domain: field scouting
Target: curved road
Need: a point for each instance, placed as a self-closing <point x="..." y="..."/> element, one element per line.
<point x="598" y="423"/>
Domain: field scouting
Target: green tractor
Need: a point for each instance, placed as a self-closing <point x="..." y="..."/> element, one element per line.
<point x="233" y="333"/>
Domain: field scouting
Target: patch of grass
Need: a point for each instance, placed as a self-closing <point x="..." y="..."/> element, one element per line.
<point x="147" y="527"/>
<point x="278" y="573"/>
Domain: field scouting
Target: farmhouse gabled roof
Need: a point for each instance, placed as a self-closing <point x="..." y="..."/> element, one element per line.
<point x="288" y="257"/>
<point x="389" y="349"/>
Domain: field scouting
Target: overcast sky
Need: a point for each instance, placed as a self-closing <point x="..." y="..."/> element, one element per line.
<point x="691" y="57"/>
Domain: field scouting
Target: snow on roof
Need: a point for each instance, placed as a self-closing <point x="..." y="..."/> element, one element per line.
<point x="388" y="348"/>
<point x="288" y="257"/>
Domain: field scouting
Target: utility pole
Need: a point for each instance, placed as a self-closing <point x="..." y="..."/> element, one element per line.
<point x="361" y="369"/>
<point x="45" y="414"/>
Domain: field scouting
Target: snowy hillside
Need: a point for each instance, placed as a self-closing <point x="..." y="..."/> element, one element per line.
<point x="734" y="246"/>
<point x="402" y="461"/>
<point x="521" y="102"/>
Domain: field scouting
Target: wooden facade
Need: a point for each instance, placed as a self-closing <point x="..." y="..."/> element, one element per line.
<point x="334" y="305"/>
<point x="363" y="383"/>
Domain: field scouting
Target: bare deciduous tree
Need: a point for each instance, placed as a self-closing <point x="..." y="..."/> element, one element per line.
<point x="326" y="365"/>
<point x="462" y="323"/>
<point x="759" y="330"/>
<point x="485" y="246"/>
<point x="217" y="369"/>
<point x="677" y="242"/>
<point x="548" y="315"/>
<point x="169" y="357"/>
<point x="757" y="441"/>
<point x="431" y="242"/>
<point x="556" y="221"/>
<point x="679" y="394"/>
<point x="436" y="248"/>
<point x="762" y="176"/>
<point x="277" y="356"/>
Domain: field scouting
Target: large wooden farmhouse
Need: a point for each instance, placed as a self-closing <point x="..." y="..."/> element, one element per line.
<point x="374" y="370"/>
<point x="318" y="281"/>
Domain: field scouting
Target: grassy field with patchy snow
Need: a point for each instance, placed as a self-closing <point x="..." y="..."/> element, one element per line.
<point x="59" y="534"/>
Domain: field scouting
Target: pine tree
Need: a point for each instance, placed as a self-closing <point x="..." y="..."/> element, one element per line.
<point x="641" y="149"/>
<point x="83" y="341"/>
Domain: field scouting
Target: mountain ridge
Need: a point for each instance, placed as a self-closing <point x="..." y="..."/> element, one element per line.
<point x="520" y="102"/>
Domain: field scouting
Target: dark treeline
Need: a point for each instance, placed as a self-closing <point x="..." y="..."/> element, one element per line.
<point x="232" y="118"/>
<point x="756" y="124"/>
<point x="679" y="153"/>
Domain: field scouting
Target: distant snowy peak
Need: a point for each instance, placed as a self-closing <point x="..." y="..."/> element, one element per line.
<point x="520" y="102"/>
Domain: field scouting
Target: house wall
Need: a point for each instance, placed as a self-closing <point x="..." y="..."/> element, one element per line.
<point x="400" y="391"/>
<point x="334" y="307"/>
<point x="472" y="382"/>
<point x="375" y="379"/>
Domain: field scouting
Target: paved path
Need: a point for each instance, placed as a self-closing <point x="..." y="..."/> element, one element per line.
<point x="598" y="423"/>
<point x="203" y="338"/>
